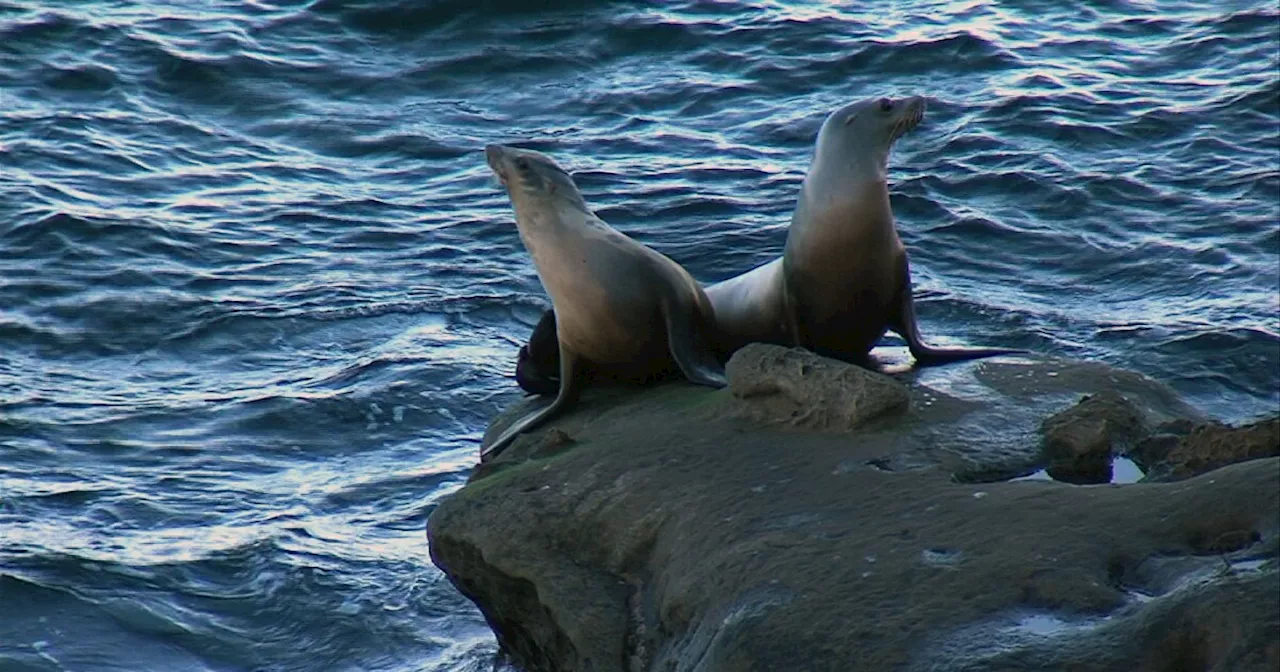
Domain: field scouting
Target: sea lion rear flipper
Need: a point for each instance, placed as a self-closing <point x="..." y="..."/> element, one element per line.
<point x="691" y="345"/>
<point x="538" y="364"/>
<point x="570" y="368"/>
<point x="902" y="319"/>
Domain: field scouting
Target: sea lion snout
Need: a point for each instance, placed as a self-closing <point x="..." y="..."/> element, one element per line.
<point x="914" y="109"/>
<point x="907" y="114"/>
<point x="494" y="155"/>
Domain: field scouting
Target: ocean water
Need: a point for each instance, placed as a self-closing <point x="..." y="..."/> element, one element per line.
<point x="259" y="293"/>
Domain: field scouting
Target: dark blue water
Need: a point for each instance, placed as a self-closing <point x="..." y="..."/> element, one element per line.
<point x="259" y="293"/>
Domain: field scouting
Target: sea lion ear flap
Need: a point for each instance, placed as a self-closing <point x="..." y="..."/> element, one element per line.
<point x="849" y="119"/>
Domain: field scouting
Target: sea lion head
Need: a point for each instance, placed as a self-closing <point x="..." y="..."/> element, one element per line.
<point x="532" y="178"/>
<point x="862" y="133"/>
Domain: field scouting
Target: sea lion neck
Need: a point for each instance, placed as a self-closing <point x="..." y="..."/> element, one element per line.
<point x="840" y="182"/>
<point x="548" y="225"/>
<point x="538" y="206"/>
<point x="842" y="170"/>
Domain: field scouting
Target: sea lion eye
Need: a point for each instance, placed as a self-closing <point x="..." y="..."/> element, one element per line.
<point x="886" y="104"/>
<point x="522" y="163"/>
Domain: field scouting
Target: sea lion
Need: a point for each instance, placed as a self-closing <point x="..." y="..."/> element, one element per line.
<point x="622" y="310"/>
<point x="843" y="279"/>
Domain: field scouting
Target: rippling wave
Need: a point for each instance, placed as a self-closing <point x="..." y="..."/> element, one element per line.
<point x="259" y="294"/>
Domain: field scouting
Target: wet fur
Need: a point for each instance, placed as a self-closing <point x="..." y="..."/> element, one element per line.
<point x="844" y="278"/>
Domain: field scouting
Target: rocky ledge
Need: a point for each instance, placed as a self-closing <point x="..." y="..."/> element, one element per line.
<point x="816" y="516"/>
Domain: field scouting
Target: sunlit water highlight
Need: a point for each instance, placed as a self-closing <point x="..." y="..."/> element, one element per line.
<point x="259" y="294"/>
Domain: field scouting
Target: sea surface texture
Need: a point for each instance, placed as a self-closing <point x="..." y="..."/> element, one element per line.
<point x="259" y="292"/>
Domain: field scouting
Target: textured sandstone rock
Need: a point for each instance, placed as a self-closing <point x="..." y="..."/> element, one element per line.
<point x="671" y="533"/>
<point x="1080" y="441"/>
<point x="798" y="388"/>
<point x="1214" y="445"/>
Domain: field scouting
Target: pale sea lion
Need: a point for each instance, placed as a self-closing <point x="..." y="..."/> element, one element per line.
<point x="622" y="310"/>
<point x="843" y="279"/>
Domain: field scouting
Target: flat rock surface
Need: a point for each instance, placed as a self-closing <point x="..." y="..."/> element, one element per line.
<point x="666" y="529"/>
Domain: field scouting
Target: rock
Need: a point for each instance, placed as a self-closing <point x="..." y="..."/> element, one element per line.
<point x="548" y="442"/>
<point x="1209" y="446"/>
<point x="1151" y="451"/>
<point x="674" y="534"/>
<point x="1080" y="441"/>
<point x="1218" y="624"/>
<point x="796" y="387"/>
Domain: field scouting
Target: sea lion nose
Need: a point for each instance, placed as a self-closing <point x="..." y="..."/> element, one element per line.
<point x="493" y="154"/>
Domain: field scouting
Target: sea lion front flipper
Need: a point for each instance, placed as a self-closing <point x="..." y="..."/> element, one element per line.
<point x="538" y="364"/>
<point x="902" y="319"/>
<point x="570" y="388"/>
<point x="690" y="345"/>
